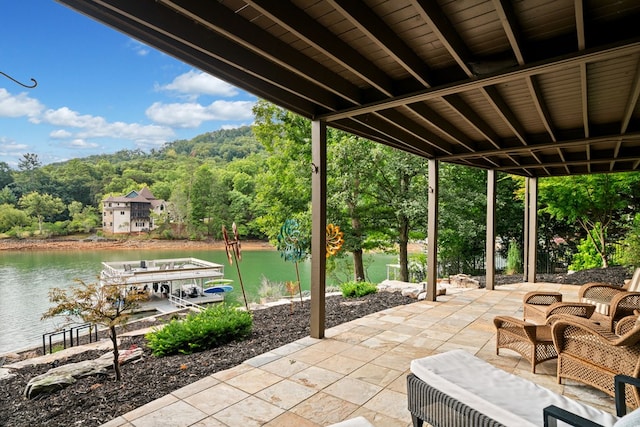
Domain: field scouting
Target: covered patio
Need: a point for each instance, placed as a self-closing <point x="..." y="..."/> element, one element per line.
<point x="535" y="88"/>
<point x="358" y="369"/>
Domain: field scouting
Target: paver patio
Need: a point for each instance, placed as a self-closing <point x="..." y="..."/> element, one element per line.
<point x="359" y="369"/>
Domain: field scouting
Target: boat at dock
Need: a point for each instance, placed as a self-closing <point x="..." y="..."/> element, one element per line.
<point x="168" y="284"/>
<point x="218" y="286"/>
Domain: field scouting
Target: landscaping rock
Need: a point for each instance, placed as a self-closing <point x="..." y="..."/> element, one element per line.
<point x="62" y="376"/>
<point x="463" y="281"/>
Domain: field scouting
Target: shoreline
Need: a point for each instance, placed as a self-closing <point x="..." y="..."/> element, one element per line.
<point x="76" y="244"/>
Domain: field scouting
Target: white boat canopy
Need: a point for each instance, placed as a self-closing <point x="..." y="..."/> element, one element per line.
<point x="159" y="270"/>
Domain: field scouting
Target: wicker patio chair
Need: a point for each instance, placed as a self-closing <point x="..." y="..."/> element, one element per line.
<point x="534" y="342"/>
<point x="612" y="302"/>
<point x="592" y="354"/>
<point x="535" y="305"/>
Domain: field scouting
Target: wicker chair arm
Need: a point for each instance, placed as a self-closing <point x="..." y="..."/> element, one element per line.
<point x="597" y="290"/>
<point x="579" y="309"/>
<point x="558" y="326"/>
<point x="541" y="298"/>
<point x="623" y="304"/>
<point x="559" y="323"/>
<point x="626" y="324"/>
<point x="513" y="322"/>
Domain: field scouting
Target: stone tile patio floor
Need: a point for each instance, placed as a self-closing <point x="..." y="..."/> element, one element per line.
<point x="359" y="369"/>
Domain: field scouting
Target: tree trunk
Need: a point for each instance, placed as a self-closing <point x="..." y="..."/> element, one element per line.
<point x="116" y="354"/>
<point x="356" y="226"/>
<point x="403" y="241"/>
<point x="358" y="266"/>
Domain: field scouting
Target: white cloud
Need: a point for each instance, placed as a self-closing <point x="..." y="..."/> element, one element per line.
<point x="140" y="49"/>
<point x="191" y="115"/>
<point x="196" y="83"/>
<point x="60" y="134"/>
<point x="18" y="105"/>
<point x="97" y="127"/>
<point x="81" y="143"/>
<point x="232" y="126"/>
<point x="8" y="146"/>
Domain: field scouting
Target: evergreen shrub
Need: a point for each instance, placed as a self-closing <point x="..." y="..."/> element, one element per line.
<point x="213" y="327"/>
<point x="357" y="289"/>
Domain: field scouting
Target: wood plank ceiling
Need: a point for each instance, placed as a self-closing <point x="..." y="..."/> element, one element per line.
<point x="530" y="87"/>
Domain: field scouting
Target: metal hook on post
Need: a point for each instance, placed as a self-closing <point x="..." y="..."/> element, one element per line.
<point x="35" y="83"/>
<point x="314" y="168"/>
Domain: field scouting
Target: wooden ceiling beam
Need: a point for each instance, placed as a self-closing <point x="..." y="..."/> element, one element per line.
<point x="370" y="24"/>
<point x="427" y="114"/>
<point x="431" y="13"/>
<point x="509" y="22"/>
<point x="291" y="18"/>
<point x="600" y="53"/>
<point x="231" y="25"/>
<point x="131" y="25"/>
<point x="633" y="136"/>
<point x="457" y="104"/>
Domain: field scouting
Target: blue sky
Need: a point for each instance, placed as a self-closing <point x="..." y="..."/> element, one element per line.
<point x="98" y="91"/>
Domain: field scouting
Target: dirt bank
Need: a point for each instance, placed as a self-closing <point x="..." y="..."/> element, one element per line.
<point x="77" y="244"/>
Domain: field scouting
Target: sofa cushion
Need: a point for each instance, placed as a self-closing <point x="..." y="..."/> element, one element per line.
<point x="506" y="398"/>
<point x="630" y="420"/>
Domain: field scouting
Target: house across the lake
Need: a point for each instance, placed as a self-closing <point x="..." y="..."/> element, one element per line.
<point x="131" y="213"/>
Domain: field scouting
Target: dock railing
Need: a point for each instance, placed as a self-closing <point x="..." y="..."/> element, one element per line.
<point x="183" y="303"/>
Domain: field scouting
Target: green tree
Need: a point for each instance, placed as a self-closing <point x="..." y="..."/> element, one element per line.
<point x="105" y="305"/>
<point x="41" y="206"/>
<point x="400" y="186"/>
<point x="83" y="218"/>
<point x="6" y="176"/>
<point x="283" y="189"/>
<point x="204" y="191"/>
<point x="349" y="199"/>
<point x="11" y="217"/>
<point x="596" y="202"/>
<point x="7" y="196"/>
<point x="462" y="218"/>
<point x="29" y="162"/>
<point x="631" y="244"/>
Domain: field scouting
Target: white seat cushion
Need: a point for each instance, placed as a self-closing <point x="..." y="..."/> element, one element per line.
<point x="601" y="306"/>
<point x="634" y="285"/>
<point x="353" y="422"/>
<point x="506" y="398"/>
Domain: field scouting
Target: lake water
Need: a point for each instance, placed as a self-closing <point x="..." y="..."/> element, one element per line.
<point x="26" y="278"/>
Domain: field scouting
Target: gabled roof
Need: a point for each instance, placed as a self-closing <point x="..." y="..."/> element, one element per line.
<point x="143" y="196"/>
<point x="529" y="87"/>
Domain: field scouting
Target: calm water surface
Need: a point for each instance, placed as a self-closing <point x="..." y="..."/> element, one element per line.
<point x="26" y="277"/>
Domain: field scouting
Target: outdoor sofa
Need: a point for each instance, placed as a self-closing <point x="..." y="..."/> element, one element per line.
<point x="458" y="389"/>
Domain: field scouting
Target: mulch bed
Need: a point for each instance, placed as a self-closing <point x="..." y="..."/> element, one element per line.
<point x="96" y="400"/>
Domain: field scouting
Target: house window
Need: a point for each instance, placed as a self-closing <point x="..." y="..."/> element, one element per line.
<point x="121" y="212"/>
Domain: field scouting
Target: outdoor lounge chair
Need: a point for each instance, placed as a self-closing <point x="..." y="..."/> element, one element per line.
<point x="533" y="342"/>
<point x="535" y="305"/>
<point x="591" y="354"/>
<point x="612" y="302"/>
<point x="458" y="389"/>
